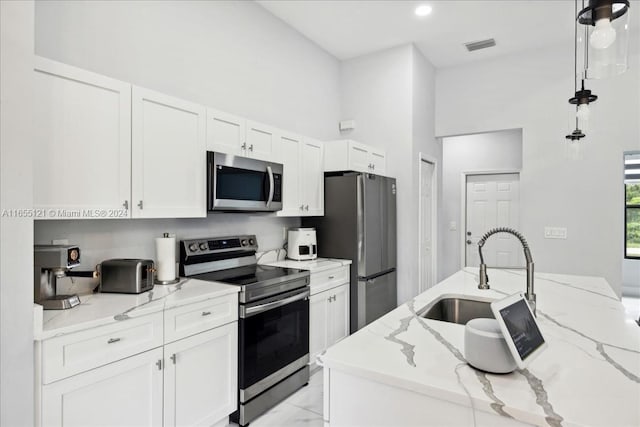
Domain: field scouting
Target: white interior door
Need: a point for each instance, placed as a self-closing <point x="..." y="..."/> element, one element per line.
<point x="427" y="201"/>
<point x="493" y="201"/>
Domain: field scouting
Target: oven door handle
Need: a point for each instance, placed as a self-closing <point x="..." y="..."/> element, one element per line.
<point x="271" y="185"/>
<point x="252" y="311"/>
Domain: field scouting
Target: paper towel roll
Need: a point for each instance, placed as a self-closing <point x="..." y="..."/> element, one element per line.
<point x="165" y="258"/>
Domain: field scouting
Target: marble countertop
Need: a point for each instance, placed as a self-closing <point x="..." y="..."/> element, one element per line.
<point x="314" y="266"/>
<point x="588" y="375"/>
<point x="104" y="308"/>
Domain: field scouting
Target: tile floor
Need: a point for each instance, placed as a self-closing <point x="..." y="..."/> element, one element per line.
<point x="303" y="408"/>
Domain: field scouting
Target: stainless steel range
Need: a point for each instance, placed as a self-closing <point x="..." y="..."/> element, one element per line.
<point x="273" y="325"/>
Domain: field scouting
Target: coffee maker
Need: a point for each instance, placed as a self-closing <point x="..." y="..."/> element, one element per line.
<point x="52" y="262"/>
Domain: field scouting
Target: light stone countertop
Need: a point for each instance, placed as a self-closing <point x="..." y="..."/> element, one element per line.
<point x="588" y="375"/>
<point x="314" y="266"/>
<point x="105" y="308"/>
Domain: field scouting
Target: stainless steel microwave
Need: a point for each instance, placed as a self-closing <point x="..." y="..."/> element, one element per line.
<point x="236" y="183"/>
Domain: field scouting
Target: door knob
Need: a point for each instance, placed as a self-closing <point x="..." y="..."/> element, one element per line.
<point x="469" y="242"/>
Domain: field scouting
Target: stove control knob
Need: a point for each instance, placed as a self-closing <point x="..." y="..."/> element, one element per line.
<point x="193" y="247"/>
<point x="252" y="242"/>
<point x="203" y="246"/>
<point x="245" y="242"/>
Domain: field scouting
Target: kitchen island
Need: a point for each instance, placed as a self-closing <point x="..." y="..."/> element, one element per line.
<point x="404" y="370"/>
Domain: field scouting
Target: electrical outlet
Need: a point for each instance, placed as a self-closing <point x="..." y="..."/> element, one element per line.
<point x="555" y="233"/>
<point x="60" y="242"/>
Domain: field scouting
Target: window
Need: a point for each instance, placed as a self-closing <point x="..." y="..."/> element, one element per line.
<point x="632" y="205"/>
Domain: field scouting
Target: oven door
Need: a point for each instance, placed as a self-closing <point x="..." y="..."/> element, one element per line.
<point x="273" y="341"/>
<point x="237" y="183"/>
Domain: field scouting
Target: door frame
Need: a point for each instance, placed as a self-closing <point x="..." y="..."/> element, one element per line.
<point x="422" y="157"/>
<point x="463" y="204"/>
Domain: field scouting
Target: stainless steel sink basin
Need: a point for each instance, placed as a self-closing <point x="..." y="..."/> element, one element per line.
<point x="457" y="309"/>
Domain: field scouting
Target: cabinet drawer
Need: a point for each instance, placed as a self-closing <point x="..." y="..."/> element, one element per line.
<point x="74" y="353"/>
<point x="328" y="279"/>
<point x="191" y="319"/>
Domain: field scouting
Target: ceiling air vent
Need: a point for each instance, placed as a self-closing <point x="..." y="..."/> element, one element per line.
<point x="482" y="44"/>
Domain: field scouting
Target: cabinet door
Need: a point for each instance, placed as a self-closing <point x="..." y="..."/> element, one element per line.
<point x="225" y="133"/>
<point x="261" y="141"/>
<point x="82" y="149"/>
<point x="201" y="377"/>
<point x="317" y="324"/>
<point x="290" y="148"/>
<point x="312" y="178"/>
<point x="359" y="158"/>
<point x="378" y="162"/>
<point x="169" y="160"/>
<point x="124" y="393"/>
<point x="338" y="314"/>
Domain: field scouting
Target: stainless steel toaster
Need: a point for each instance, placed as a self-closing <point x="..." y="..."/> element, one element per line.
<point x="127" y="275"/>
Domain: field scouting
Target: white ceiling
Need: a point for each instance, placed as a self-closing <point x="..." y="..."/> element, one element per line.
<point x="347" y="28"/>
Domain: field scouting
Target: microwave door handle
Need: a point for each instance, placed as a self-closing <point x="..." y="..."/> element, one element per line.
<point x="271" y="185"/>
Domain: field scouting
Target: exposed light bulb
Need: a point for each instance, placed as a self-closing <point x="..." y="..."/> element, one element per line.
<point x="604" y="34"/>
<point x="583" y="112"/>
<point x="423" y="10"/>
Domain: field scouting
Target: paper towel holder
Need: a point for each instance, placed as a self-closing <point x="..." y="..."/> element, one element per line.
<point x="166" y="282"/>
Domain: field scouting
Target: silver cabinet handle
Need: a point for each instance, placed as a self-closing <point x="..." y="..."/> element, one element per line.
<point x="332" y="277"/>
<point x="306" y="208"/>
<point x="251" y="147"/>
<point x="140" y="204"/>
<point x="125" y="205"/>
<point x="159" y="364"/>
<point x="173" y="358"/>
<point x="373" y="166"/>
<point x="301" y="207"/>
<point x="206" y="313"/>
<point x="244" y="146"/>
<point x="469" y="242"/>
<point x="112" y="340"/>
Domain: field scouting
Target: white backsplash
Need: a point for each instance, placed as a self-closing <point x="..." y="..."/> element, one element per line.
<point x="134" y="238"/>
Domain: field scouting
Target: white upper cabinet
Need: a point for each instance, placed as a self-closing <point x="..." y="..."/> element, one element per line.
<point x="236" y="135"/>
<point x="352" y="155"/>
<point x="261" y="141"/>
<point x="168" y="156"/>
<point x="303" y="186"/>
<point x="82" y="150"/>
<point x="225" y="133"/>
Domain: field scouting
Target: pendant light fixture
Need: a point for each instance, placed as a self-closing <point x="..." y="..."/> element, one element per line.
<point x="580" y="111"/>
<point x="606" y="24"/>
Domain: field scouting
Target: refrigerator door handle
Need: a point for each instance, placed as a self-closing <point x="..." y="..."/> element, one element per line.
<point x="360" y="221"/>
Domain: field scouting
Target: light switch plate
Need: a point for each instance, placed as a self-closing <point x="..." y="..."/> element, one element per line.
<point x="555" y="233"/>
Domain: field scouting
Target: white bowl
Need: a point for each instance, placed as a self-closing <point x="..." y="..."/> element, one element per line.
<point x="485" y="347"/>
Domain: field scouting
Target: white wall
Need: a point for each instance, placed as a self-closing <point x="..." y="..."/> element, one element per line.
<point x="390" y="95"/>
<point x="234" y="56"/>
<point x="493" y="151"/>
<point x="16" y="251"/>
<point x="584" y="194"/>
<point x="230" y="55"/>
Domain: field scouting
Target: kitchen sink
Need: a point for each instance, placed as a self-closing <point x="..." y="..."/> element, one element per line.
<point x="457" y="309"/>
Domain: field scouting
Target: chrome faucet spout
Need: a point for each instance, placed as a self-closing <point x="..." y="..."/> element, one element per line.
<point x="484" y="278"/>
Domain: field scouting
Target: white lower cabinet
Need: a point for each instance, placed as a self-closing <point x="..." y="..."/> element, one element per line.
<point x="121" y="394"/>
<point x="328" y="316"/>
<point x="201" y="377"/>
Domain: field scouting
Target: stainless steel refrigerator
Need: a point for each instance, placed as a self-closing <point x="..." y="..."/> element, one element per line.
<point x="360" y="224"/>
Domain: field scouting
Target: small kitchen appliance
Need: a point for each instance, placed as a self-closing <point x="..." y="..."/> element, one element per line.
<point x="126" y="275"/>
<point x="52" y="262"/>
<point x="302" y="244"/>
<point x="273" y="318"/>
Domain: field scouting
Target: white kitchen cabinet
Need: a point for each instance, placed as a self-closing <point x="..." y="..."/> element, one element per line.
<point x="226" y="133"/>
<point x="168" y="156"/>
<point x="303" y="188"/>
<point x="261" y="141"/>
<point x="347" y="154"/>
<point x="82" y="148"/>
<point x="121" y="394"/>
<point x="328" y="309"/>
<point x="201" y="377"/>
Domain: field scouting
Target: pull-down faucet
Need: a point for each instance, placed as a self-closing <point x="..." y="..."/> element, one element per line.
<point x="484" y="279"/>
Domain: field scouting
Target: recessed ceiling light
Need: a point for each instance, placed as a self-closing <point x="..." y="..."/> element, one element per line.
<point x="423" y="10"/>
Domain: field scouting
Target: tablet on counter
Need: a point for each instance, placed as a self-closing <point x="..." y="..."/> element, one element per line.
<point x="520" y="328"/>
